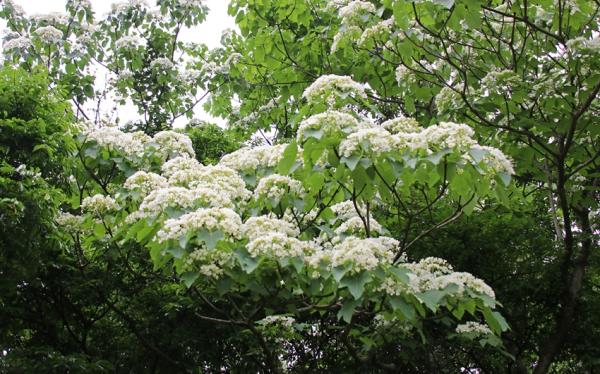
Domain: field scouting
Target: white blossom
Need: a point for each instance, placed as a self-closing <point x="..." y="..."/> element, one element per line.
<point x="179" y="164"/>
<point x="355" y="10"/>
<point x="277" y="245"/>
<point x="330" y="87"/>
<point x="161" y="64"/>
<point x="276" y="186"/>
<point x="249" y="159"/>
<point x="172" y="143"/>
<point x="145" y="182"/>
<point x="99" y="204"/>
<point x="49" y="34"/>
<point x="19" y="43"/>
<point x="376" y="140"/>
<point x="224" y="220"/>
<point x="402" y="125"/>
<point x="473" y="328"/>
<point x="256" y="227"/>
<point x="69" y="222"/>
<point x="128" y="42"/>
<point x="327" y="123"/>
<point x="130" y="144"/>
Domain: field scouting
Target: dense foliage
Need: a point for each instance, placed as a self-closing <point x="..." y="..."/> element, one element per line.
<point x="366" y="141"/>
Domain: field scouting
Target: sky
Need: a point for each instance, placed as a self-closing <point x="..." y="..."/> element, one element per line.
<point x="209" y="32"/>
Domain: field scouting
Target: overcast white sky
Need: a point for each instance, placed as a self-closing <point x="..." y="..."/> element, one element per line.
<point x="208" y="32"/>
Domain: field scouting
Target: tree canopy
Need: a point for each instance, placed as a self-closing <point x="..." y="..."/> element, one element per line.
<point x="400" y="186"/>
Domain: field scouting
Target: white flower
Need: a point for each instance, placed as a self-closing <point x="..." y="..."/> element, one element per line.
<point x="69" y="222"/>
<point x="276" y="186"/>
<point x="449" y="99"/>
<point x="128" y="42"/>
<point x="402" y="125"/>
<point x="496" y="161"/>
<point x="172" y="143"/>
<point x="130" y="144"/>
<point x="179" y="164"/>
<point x="13" y="9"/>
<point x="256" y="227"/>
<point x="376" y="140"/>
<point x="327" y="124"/>
<point x="49" y="34"/>
<point x="280" y="321"/>
<point x="473" y="328"/>
<point x="145" y="182"/>
<point x="355" y="10"/>
<point x="329" y="87"/>
<point x="161" y="64"/>
<point x="355" y="225"/>
<point x="250" y="159"/>
<point x="99" y="204"/>
<point x="356" y="253"/>
<point x="208" y="262"/>
<point x="20" y="43"/>
<point x="223" y="220"/>
<point x="218" y="177"/>
<point x="275" y="245"/>
<point x="52" y="18"/>
<point x="346" y="209"/>
<point x="381" y="30"/>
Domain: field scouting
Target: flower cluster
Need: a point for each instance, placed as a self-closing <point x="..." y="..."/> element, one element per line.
<point x="161" y="64"/>
<point x="355" y="10"/>
<point x="326" y="124"/>
<point x="99" y="204"/>
<point x="402" y="125"/>
<point x="259" y="226"/>
<point x="49" y="34"/>
<point x="277" y="245"/>
<point x="251" y="159"/>
<point x="172" y="143"/>
<point x="16" y="44"/>
<point x="496" y="161"/>
<point x="357" y="254"/>
<point x="128" y="42"/>
<point x="276" y="186"/>
<point x="376" y="140"/>
<point x="281" y="321"/>
<point x="176" y="164"/>
<point x="330" y="87"/>
<point x="131" y="144"/>
<point x="71" y="223"/>
<point x="473" y="328"/>
<point x="434" y="273"/>
<point x="145" y="182"/>
<point x="380" y="30"/>
<point x="223" y="220"/>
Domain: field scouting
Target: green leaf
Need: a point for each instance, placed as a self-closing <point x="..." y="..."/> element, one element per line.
<point x="431" y="298"/>
<point x="400" y="273"/>
<point x="338" y="272"/>
<point x="436" y="157"/>
<point x="99" y="230"/>
<point x="398" y="303"/>
<point x="247" y="262"/>
<point x="445" y="3"/>
<point x="210" y="238"/>
<point x="189" y="277"/>
<point x="289" y="157"/>
<point x="356" y="284"/>
<point x="478" y="154"/>
<point x="347" y="310"/>
<point x="505" y="178"/>
<point x="351" y="161"/>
